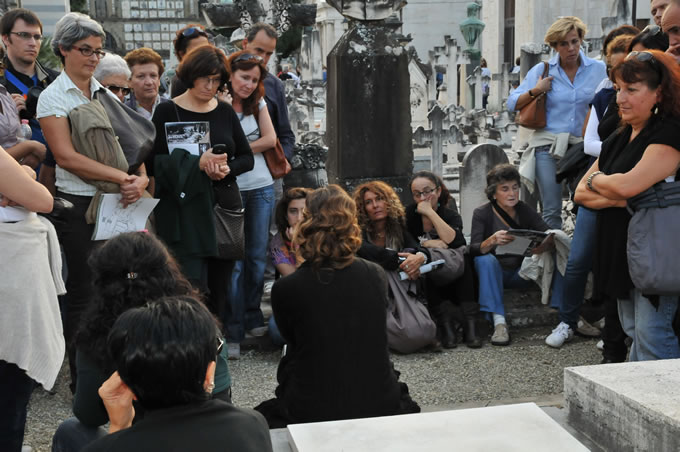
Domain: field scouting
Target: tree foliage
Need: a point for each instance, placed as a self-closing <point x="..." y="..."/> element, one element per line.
<point x="79" y="6"/>
<point x="47" y="56"/>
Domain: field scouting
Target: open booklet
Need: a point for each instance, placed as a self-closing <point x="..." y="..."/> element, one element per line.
<point x="525" y="241"/>
<point x="194" y="137"/>
<point x="114" y="219"/>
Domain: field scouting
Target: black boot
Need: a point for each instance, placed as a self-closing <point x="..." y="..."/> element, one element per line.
<point x="471" y="339"/>
<point x="447" y="333"/>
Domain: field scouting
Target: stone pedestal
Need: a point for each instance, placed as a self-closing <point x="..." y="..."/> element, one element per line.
<point x="368" y="109"/>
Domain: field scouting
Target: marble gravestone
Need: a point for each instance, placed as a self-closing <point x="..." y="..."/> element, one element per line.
<point x="476" y="163"/>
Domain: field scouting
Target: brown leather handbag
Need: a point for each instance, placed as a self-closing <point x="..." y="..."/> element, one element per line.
<point x="532" y="115"/>
<point x="276" y="161"/>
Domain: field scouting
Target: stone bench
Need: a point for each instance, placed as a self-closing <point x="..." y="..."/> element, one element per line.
<point x="627" y="406"/>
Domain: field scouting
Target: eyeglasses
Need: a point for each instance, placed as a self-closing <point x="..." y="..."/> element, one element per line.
<point x="426" y="192"/>
<point x="246" y="57"/>
<point x="114" y="89"/>
<point x="26" y="35"/>
<point x="220" y="345"/>
<point x="653" y="30"/>
<point x="189" y="32"/>
<point x="208" y="81"/>
<point x="88" y="52"/>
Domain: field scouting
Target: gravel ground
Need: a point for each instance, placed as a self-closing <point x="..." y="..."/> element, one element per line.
<point x="525" y="369"/>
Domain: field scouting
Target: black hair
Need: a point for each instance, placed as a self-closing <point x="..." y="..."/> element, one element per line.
<point x="499" y="174"/>
<point x="619" y="31"/>
<point x="656" y="41"/>
<point x="181" y="42"/>
<point x="444" y="196"/>
<point x="11" y="16"/>
<point x="127" y="271"/>
<point x="281" y="211"/>
<point x="259" y="26"/>
<point x="162" y="351"/>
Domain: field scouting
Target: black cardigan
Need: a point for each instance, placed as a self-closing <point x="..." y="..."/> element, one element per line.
<point x="414" y="223"/>
<point x="387" y="258"/>
<point x="482" y="223"/>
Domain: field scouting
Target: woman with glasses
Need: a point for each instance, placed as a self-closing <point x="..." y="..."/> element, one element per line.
<point x="189" y="185"/>
<point x="164" y="355"/>
<point x="569" y="86"/>
<point x="128" y="271"/>
<point x="332" y="313"/>
<point x="246" y="86"/>
<point x="639" y="154"/>
<point x="435" y="224"/>
<point x="114" y="73"/>
<point x="186" y="40"/>
<point x="78" y="42"/>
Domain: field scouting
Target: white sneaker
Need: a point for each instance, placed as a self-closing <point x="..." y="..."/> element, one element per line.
<point x="600" y="345"/>
<point x="563" y="333"/>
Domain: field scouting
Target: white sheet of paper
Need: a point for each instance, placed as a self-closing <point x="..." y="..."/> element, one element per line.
<point x="517" y="246"/>
<point x="114" y="219"/>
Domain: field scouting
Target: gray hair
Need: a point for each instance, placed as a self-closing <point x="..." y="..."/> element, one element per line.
<point x="72" y="28"/>
<point x="111" y="64"/>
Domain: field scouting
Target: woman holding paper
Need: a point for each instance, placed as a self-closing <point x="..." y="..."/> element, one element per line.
<point x="491" y="223"/>
<point x="78" y="41"/>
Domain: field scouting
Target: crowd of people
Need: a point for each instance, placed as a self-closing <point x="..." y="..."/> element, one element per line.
<point x="149" y="319"/>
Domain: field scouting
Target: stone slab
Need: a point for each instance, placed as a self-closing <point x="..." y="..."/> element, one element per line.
<point x="626" y="406"/>
<point x="523" y="427"/>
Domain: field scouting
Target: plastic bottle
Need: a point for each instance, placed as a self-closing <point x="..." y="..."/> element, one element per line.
<point x="25" y="132"/>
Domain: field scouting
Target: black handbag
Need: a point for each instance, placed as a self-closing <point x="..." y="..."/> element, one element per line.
<point x="135" y="133"/>
<point x="229" y="233"/>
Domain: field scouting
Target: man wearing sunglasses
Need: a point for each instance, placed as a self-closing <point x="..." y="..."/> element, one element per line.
<point x="146" y="67"/>
<point x="670" y="23"/>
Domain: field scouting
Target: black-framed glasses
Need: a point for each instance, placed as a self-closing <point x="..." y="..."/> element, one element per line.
<point x="652" y="30"/>
<point x="88" y="52"/>
<point x="246" y="57"/>
<point x="426" y="192"/>
<point x="115" y="89"/>
<point x="26" y="35"/>
<point x="220" y="345"/>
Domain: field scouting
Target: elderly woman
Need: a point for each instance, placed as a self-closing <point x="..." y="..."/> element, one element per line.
<point x="569" y="87"/>
<point x="32" y="348"/>
<point x="175" y="333"/>
<point x="491" y="223"/>
<point x="188" y="227"/>
<point x="339" y="369"/>
<point x="436" y="225"/>
<point x="78" y="42"/>
<point x="114" y="73"/>
<point x="638" y="155"/>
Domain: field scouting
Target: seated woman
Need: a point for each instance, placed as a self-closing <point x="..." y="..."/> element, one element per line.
<point x="180" y="334"/>
<point x="435" y="225"/>
<point x="490" y="224"/>
<point x="128" y="271"/>
<point x="340" y="369"/>
<point x="287" y="215"/>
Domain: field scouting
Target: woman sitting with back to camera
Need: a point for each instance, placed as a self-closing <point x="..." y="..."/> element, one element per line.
<point x="339" y="369"/>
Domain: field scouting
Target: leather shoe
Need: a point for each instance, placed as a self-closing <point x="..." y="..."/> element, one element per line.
<point x="471" y="339"/>
<point x="448" y="335"/>
<point x="501" y="336"/>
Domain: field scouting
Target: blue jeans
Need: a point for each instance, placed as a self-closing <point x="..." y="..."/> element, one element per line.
<point x="274" y="333"/>
<point x="651" y="329"/>
<point x="578" y="266"/>
<point x="550" y="191"/>
<point x="247" y="278"/>
<point x="493" y="279"/>
<point x="73" y="436"/>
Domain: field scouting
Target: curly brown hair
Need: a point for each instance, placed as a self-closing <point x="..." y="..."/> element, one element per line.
<point x="328" y="235"/>
<point x="396" y="215"/>
<point x="234" y="64"/>
<point x="661" y="71"/>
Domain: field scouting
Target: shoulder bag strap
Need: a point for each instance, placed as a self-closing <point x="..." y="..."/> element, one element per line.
<point x="504" y="217"/>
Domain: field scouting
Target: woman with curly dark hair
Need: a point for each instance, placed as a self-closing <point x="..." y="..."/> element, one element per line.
<point x="331" y="312"/>
<point x="129" y="271"/>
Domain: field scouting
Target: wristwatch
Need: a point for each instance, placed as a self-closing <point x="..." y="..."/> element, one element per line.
<point x="589" y="181"/>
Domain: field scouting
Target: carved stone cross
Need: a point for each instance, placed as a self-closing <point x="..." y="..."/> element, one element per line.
<point x="436" y="136"/>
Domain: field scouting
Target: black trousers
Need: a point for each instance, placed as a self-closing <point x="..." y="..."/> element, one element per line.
<point x="15" y="392"/>
<point x="456" y="298"/>
<point x="613" y="335"/>
<point x="76" y="239"/>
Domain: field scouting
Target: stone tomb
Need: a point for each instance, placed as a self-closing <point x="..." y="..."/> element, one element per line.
<point x="627" y="406"/>
<point x="523" y="427"/>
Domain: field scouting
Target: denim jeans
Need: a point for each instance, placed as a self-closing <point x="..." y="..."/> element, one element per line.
<point x="578" y="266"/>
<point x="493" y="279"/>
<point x="247" y="278"/>
<point x="73" y="436"/>
<point x="550" y="191"/>
<point x="650" y="328"/>
<point x="15" y="392"/>
<point x="274" y="333"/>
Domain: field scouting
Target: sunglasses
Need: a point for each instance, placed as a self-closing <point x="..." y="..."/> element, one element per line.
<point x="653" y="30"/>
<point x="25" y="35"/>
<point x="641" y="56"/>
<point x="189" y="32"/>
<point x="246" y="57"/>
<point x="115" y="89"/>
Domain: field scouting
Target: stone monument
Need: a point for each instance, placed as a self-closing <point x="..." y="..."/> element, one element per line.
<point x="368" y="110"/>
<point x="471" y="28"/>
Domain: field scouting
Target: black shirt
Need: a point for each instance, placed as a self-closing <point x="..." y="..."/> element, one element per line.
<point x="620" y="156"/>
<point x="414" y="223"/>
